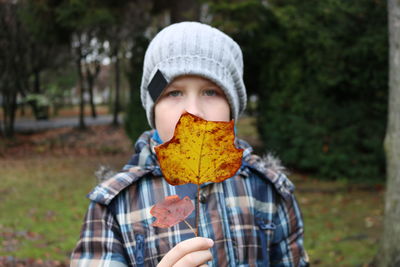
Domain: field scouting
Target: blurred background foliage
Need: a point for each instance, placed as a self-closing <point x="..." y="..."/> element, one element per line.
<point x="320" y="71"/>
<point x="316" y="70"/>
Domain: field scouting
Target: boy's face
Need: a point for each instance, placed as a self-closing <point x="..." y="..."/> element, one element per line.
<point x="194" y="94"/>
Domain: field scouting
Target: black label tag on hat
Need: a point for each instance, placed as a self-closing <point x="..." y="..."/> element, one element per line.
<point x="157" y="85"/>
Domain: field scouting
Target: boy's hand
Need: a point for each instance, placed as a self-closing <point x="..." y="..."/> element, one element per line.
<point x="191" y="252"/>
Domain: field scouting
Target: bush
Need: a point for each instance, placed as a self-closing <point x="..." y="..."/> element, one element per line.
<point x="135" y="121"/>
<point x="320" y="69"/>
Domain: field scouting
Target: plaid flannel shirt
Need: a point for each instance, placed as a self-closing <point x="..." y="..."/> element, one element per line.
<point x="253" y="217"/>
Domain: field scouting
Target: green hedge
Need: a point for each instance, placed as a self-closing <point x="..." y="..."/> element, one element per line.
<point x="135" y="121"/>
<point x="320" y="70"/>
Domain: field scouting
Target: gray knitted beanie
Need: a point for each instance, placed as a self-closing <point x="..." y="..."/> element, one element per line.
<point x="192" y="48"/>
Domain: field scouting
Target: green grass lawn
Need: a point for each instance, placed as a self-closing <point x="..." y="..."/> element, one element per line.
<point x="343" y="222"/>
<point x="42" y="204"/>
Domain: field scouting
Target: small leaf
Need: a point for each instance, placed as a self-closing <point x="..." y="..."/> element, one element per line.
<point x="172" y="210"/>
<point x="200" y="151"/>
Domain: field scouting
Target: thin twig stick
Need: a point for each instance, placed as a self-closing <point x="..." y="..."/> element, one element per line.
<point x="197" y="210"/>
<point x="191" y="228"/>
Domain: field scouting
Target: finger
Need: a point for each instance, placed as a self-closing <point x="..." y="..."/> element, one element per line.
<point x="194" y="259"/>
<point x="185" y="247"/>
<point x="204" y="265"/>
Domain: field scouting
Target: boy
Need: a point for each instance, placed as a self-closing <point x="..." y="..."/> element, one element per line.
<point x="250" y="219"/>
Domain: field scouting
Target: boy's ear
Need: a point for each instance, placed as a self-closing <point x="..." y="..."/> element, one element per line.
<point x="157" y="85"/>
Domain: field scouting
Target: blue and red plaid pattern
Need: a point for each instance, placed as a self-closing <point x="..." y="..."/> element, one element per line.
<point x="253" y="217"/>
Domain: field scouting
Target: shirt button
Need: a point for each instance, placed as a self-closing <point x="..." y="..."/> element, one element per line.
<point x="203" y="199"/>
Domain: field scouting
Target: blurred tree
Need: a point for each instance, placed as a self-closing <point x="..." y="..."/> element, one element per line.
<point x="389" y="254"/>
<point x="135" y="119"/>
<point x="32" y="43"/>
<point x="56" y="84"/>
<point x="118" y="34"/>
<point x="14" y="73"/>
<point x="84" y="19"/>
<point x="320" y="70"/>
<point x="92" y="70"/>
<point x="138" y="19"/>
<point x="47" y="42"/>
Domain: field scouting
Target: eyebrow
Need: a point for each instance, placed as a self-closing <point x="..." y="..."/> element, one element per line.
<point x="175" y="86"/>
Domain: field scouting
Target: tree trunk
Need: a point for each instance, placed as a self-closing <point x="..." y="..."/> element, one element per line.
<point x="90" y="77"/>
<point x="36" y="90"/>
<point x="9" y="109"/>
<point x="81" y="96"/>
<point x="117" y="89"/>
<point x="90" y="82"/>
<point x="36" y="85"/>
<point x="389" y="254"/>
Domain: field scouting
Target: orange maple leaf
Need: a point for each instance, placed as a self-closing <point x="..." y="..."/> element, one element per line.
<point x="200" y="151"/>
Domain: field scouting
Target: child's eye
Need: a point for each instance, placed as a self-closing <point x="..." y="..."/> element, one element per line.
<point x="210" y="92"/>
<point x="174" y="93"/>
